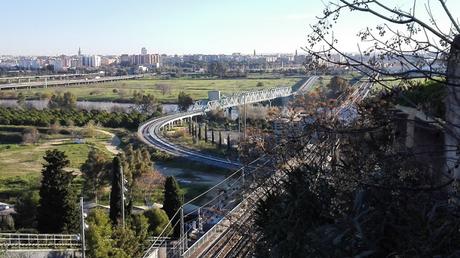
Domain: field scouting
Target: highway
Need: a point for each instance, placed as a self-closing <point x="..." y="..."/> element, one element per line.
<point x="54" y="83"/>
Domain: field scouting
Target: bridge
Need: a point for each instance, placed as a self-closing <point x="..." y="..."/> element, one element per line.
<point x="28" y="84"/>
<point x="151" y="132"/>
<point x="223" y="239"/>
<point x="228" y="200"/>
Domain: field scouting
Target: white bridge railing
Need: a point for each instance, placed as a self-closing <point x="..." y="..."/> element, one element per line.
<point x="39" y="241"/>
<point x="242" y="98"/>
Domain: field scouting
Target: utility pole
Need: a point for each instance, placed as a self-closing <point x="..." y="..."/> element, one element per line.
<point x="182" y="232"/>
<point x="244" y="121"/>
<point x="83" y="227"/>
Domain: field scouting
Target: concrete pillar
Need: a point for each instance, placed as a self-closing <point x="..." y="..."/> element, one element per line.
<point x="452" y="104"/>
<point x="410" y="129"/>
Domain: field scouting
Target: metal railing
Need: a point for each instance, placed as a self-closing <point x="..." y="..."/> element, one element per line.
<point x="40" y="241"/>
<point x="216" y="229"/>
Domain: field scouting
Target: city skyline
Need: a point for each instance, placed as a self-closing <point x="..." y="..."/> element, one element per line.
<point x="175" y="27"/>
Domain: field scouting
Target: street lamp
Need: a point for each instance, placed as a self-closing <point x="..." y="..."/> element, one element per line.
<point x="84" y="226"/>
<point x="123" y="190"/>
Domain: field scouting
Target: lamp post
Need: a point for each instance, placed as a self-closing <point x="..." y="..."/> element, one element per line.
<point x="83" y="227"/>
<point x="123" y="189"/>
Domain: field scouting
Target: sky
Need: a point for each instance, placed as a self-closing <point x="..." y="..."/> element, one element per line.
<point x="53" y="27"/>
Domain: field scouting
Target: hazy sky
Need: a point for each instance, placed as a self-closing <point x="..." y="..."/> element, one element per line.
<point x="51" y="27"/>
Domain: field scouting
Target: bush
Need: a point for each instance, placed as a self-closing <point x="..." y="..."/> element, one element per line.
<point x="69" y="117"/>
<point x="158" y="222"/>
<point x="6" y="223"/>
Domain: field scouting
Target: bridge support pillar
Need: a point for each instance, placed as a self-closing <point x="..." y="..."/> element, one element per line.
<point x="228" y="112"/>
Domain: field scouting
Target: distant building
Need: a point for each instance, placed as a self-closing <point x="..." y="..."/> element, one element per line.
<point x="91" y="61"/>
<point x="105" y="61"/>
<point x="27" y="63"/>
<point x="149" y="60"/>
<point x="144" y="51"/>
<point x="125" y="60"/>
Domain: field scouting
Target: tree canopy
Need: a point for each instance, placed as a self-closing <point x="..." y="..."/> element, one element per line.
<point x="184" y="101"/>
<point x="58" y="209"/>
<point x="172" y="201"/>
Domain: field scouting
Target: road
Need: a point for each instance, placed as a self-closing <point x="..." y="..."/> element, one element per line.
<point x="53" y="83"/>
<point x="150" y="133"/>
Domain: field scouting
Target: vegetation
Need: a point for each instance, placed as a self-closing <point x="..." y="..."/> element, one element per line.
<point x="122" y="91"/>
<point x="98" y="235"/>
<point x="184" y="101"/>
<point x="68" y="101"/>
<point x="58" y="210"/>
<point x="26" y="210"/>
<point x="428" y="96"/>
<point x="47" y="117"/>
<point x="369" y="201"/>
<point x="146" y="104"/>
<point x="172" y="201"/>
<point x="19" y="160"/>
<point x="116" y="193"/>
<point x="95" y="171"/>
<point x="158" y="222"/>
<point x="105" y="240"/>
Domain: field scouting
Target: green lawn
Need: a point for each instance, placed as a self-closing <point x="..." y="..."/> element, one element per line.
<point x="21" y="160"/>
<point x="197" y="88"/>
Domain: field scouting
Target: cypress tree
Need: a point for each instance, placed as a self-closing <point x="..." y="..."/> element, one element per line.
<point x="212" y="136"/>
<point x="115" y="194"/>
<point x="206" y="133"/>
<point x="220" y="139"/>
<point x="172" y="201"/>
<point x="228" y="142"/>
<point x="58" y="207"/>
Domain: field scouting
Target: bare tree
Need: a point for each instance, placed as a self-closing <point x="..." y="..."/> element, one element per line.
<point x="407" y="44"/>
<point x="163" y="88"/>
<point x="30" y="135"/>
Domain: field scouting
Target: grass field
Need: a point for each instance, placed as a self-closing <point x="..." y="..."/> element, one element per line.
<point x="21" y="165"/>
<point x="22" y="160"/>
<point x="197" y="88"/>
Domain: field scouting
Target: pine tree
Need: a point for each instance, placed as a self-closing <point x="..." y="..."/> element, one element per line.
<point x="98" y="236"/>
<point x="58" y="209"/>
<point x="94" y="172"/>
<point x="172" y="201"/>
<point x="116" y="192"/>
